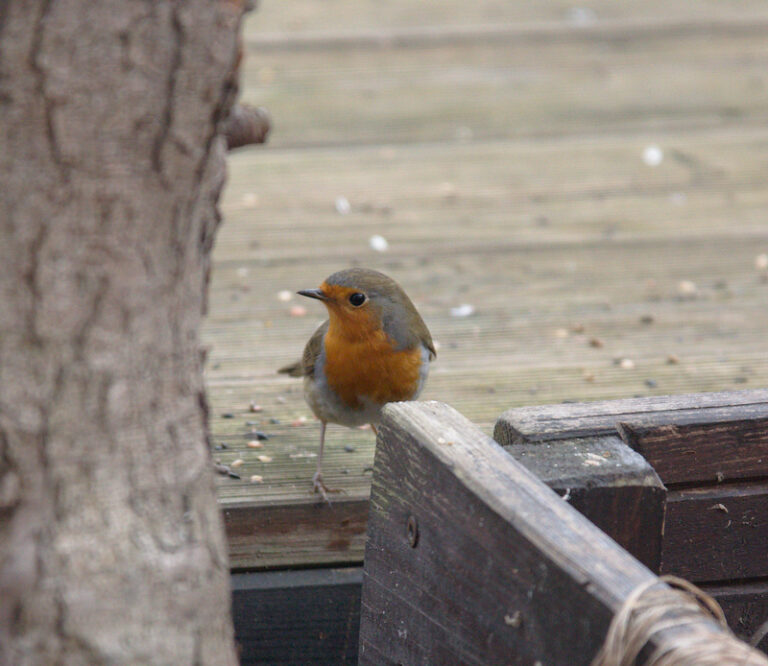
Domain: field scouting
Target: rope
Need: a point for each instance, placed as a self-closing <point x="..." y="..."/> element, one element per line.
<point x="682" y="606"/>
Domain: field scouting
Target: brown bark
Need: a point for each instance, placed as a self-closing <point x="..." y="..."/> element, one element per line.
<point x="111" y="543"/>
<point x="246" y="125"/>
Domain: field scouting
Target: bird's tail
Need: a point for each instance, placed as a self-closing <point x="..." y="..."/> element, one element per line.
<point x="293" y="369"/>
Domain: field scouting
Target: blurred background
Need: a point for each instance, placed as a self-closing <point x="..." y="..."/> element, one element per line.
<point x="574" y="196"/>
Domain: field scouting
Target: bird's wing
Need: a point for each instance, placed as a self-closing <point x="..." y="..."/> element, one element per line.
<point x="421" y="332"/>
<point x="306" y="365"/>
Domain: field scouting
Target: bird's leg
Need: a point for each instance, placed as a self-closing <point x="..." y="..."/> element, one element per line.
<point x="317" y="480"/>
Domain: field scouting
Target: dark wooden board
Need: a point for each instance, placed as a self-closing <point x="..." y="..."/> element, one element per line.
<point x="586" y="419"/>
<point x="297" y="617"/>
<point x="451" y="511"/>
<point x="609" y="483"/>
<point x="313" y="532"/>
<point x="706" y="445"/>
<point x="717" y="534"/>
<point x="745" y="606"/>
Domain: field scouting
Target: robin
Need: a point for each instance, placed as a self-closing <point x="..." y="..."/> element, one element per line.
<point x="374" y="348"/>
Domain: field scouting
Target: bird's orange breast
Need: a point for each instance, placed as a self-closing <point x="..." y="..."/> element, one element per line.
<point x="370" y="367"/>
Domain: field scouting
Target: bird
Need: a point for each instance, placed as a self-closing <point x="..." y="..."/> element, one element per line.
<point x="374" y="348"/>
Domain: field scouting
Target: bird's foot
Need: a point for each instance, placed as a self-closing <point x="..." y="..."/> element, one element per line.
<point x="319" y="487"/>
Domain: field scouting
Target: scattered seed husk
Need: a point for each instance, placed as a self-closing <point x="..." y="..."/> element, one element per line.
<point x="342" y="205"/>
<point x="687" y="288"/>
<point x="463" y="310"/>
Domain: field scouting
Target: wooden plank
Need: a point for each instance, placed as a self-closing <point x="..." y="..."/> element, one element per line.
<point x="717" y="534"/>
<point x="296" y="533"/>
<point x="407" y="84"/>
<point x="503" y="194"/>
<point x="541" y="33"/>
<point x="702" y="445"/>
<point x="302" y="16"/>
<point x="297" y="617"/>
<point x="745" y="606"/>
<point x="450" y="510"/>
<point x="609" y="483"/>
<point x="552" y="422"/>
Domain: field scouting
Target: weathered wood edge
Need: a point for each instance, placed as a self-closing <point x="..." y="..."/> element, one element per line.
<point x="430" y="443"/>
<point x="609" y="483"/>
<point x="603" y="460"/>
<point x="585" y="419"/>
<point x="705" y="446"/>
<point x="504" y="485"/>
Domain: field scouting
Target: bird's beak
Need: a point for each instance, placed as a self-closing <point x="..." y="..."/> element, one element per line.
<point x="313" y="293"/>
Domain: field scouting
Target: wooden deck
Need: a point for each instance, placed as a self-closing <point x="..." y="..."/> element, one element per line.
<point x="505" y="151"/>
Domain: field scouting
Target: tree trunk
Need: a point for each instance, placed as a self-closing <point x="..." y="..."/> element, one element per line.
<point x="111" y="544"/>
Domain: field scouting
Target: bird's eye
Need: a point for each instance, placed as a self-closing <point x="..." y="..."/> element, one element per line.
<point x="357" y="299"/>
